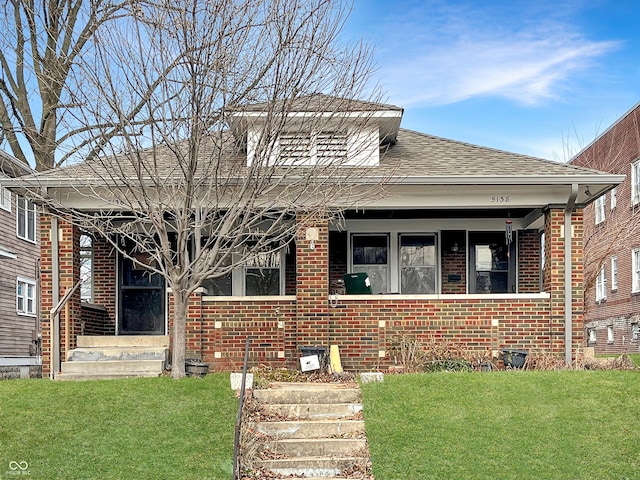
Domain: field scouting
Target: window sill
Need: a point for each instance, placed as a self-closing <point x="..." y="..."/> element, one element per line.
<point x="238" y="298"/>
<point x="25" y="314"/>
<point x="28" y="240"/>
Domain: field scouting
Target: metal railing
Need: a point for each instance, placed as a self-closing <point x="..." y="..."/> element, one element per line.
<point x="236" y="442"/>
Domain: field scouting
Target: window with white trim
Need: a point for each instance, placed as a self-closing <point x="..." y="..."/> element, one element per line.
<point x="5" y="199"/>
<point x="370" y="255"/>
<point x="635" y="270"/>
<point x="601" y="286"/>
<point x="610" y="334"/>
<point x="417" y="264"/>
<point x="26" y="219"/>
<point x="86" y="268"/>
<point x="614" y="273"/>
<point x="593" y="336"/>
<point x="635" y="182"/>
<point x="599" y="209"/>
<point x="614" y="198"/>
<point x="635" y="332"/>
<point x="263" y="274"/>
<point x="26" y="296"/>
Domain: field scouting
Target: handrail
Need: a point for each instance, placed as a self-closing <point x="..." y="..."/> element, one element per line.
<point x="53" y="322"/>
<point x="236" y="441"/>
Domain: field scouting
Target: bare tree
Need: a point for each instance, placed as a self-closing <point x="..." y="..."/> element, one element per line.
<point x="42" y="46"/>
<point x="213" y="171"/>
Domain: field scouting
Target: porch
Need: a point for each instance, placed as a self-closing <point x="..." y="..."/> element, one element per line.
<point x="437" y="289"/>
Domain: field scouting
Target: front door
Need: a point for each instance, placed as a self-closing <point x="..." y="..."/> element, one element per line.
<point x="492" y="263"/>
<point x="142" y="300"/>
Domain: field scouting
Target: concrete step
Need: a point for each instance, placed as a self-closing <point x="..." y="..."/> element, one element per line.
<point x="320" y="393"/>
<point x="65" y="377"/>
<point x="310" y="466"/>
<point x="313" y="411"/>
<point x="312" y="429"/>
<point x="123" y="341"/>
<point x="113" y="367"/>
<point x="317" y="447"/>
<point x="102" y="354"/>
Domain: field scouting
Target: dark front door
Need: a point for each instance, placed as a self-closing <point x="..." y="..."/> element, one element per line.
<point x="492" y="263"/>
<point x="141" y="295"/>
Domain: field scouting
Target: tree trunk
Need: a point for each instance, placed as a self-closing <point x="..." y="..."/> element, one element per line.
<point x="179" y="334"/>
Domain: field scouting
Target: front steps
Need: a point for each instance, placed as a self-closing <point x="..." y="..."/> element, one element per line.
<point x="315" y="432"/>
<point x="106" y="357"/>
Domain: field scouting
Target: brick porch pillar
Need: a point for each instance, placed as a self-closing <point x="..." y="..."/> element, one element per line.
<point x="312" y="282"/>
<point x="554" y="277"/>
<point x="67" y="259"/>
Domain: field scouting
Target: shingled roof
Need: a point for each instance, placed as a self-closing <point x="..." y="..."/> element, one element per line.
<point x="415" y="157"/>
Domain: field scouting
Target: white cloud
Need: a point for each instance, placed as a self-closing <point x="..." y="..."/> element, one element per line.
<point x="446" y="60"/>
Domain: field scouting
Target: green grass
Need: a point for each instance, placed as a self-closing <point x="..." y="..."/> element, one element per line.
<point x="505" y="425"/>
<point x="155" y="428"/>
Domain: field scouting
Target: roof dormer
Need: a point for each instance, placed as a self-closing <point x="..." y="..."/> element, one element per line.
<point x="316" y="129"/>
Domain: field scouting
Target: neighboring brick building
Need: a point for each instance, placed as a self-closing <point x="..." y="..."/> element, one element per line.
<point x="19" y="256"/>
<point x="435" y="248"/>
<point x="612" y="240"/>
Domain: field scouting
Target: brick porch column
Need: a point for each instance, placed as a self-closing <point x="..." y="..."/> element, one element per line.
<point x="312" y="282"/>
<point x="67" y="257"/>
<point x="554" y="277"/>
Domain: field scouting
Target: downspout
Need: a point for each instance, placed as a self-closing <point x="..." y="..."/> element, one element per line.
<point x="568" y="297"/>
<point x="54" y="354"/>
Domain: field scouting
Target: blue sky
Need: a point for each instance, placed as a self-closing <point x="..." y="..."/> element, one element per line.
<point x="537" y="77"/>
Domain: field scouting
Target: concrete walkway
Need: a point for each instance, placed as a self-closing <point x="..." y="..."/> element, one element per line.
<point x="313" y="431"/>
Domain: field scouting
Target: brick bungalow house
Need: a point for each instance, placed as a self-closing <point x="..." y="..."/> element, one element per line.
<point x="435" y="250"/>
<point x="612" y="240"/>
<point x="19" y="257"/>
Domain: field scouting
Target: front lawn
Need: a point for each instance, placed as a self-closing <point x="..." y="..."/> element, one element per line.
<point x="504" y="425"/>
<point x="153" y="428"/>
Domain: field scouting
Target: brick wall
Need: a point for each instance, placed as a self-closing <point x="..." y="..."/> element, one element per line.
<point x="529" y="261"/>
<point x="616" y="236"/>
<point x="454" y="263"/>
<point x="365" y="329"/>
<point x="96" y="321"/>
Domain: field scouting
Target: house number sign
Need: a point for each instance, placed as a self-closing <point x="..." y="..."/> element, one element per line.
<point x="500" y="199"/>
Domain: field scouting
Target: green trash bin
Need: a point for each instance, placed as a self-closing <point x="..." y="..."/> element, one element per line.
<point x="357" y="283"/>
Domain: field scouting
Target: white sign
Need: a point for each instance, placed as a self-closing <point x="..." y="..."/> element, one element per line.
<point x="309" y="363"/>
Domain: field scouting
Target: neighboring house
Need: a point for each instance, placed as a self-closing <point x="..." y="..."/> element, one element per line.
<point x="19" y="261"/>
<point x="612" y="240"/>
<point x="467" y="246"/>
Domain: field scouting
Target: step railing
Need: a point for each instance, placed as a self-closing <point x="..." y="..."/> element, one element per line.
<point x="236" y="442"/>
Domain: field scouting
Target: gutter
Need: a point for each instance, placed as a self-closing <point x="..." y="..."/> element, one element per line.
<point x="568" y="298"/>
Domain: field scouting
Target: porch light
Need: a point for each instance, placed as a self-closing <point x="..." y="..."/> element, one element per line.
<point x="454" y="247"/>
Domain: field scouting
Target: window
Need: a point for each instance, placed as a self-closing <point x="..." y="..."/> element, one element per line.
<point x="26" y="219"/>
<point x="614" y="273"/>
<point x="5" y="199"/>
<point x="635" y="332"/>
<point x="614" y="197"/>
<point x="371" y="256"/>
<point x="635" y="182"/>
<point x="599" y="209"/>
<point x="86" y="268"/>
<point x="263" y="274"/>
<point x="26" y="297"/>
<point x="610" y="334"/>
<point x="601" y="286"/>
<point x="417" y="264"/>
<point x="592" y="336"/>
<point x="635" y="269"/>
